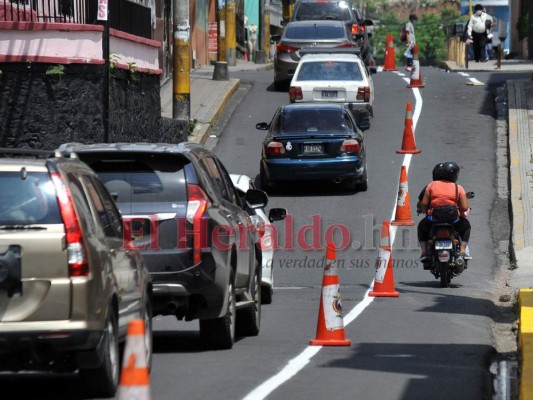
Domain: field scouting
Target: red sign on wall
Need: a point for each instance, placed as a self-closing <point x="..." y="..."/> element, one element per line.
<point x="212" y="36"/>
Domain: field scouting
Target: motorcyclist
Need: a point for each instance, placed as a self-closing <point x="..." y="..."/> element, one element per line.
<point x="444" y="191"/>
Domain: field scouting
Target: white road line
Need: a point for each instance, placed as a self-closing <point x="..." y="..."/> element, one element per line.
<point x="463" y="74"/>
<point x="475" y="82"/>
<point x="299" y="362"/>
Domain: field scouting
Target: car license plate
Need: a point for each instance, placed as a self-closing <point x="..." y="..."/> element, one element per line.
<point x="329" y="94"/>
<point x="443" y="244"/>
<point x="313" y="148"/>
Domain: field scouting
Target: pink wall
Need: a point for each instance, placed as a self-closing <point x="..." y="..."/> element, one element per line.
<point x="74" y="43"/>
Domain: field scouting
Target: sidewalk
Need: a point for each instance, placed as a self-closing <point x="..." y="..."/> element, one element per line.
<point x="208" y="97"/>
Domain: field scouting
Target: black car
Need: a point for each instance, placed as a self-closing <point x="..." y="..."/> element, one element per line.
<point x="313" y="10"/>
<point x="191" y="227"/>
<point x="312" y="141"/>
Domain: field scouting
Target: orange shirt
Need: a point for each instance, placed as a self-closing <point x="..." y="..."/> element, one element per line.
<point x="442" y="193"/>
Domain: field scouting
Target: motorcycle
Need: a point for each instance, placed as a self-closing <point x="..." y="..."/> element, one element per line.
<point x="444" y="248"/>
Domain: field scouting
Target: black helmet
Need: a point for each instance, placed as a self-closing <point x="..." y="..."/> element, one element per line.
<point x="446" y="171"/>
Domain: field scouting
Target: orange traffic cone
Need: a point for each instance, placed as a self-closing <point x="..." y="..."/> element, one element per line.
<point x="384" y="281"/>
<point x="330" y="326"/>
<point x="403" y="208"/>
<point x="390" y="60"/>
<point x="408" y="143"/>
<point x="134" y="381"/>
<point x="416" y="76"/>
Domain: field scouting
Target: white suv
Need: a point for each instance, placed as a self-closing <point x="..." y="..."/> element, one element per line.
<point x="334" y="75"/>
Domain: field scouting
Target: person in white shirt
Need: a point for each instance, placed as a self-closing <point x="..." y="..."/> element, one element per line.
<point x="477" y="31"/>
<point x="410" y="40"/>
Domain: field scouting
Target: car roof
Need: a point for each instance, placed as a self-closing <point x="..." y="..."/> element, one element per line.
<point x="7" y="164"/>
<point x="330" y="57"/>
<point x="315" y="105"/>
<point x="331" y="22"/>
<point x="180" y="148"/>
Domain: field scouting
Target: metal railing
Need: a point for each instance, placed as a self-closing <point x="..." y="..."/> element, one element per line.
<point x="124" y="15"/>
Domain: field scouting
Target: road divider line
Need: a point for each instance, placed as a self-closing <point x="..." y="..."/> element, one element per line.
<point x="299" y="362"/>
<point x="291" y="369"/>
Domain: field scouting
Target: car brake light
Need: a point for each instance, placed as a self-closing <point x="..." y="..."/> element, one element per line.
<point x="197" y="203"/>
<point x="350" y="146"/>
<point x="276" y="148"/>
<point x="355" y="29"/>
<point x="76" y="255"/>
<point x="363" y="93"/>
<point x="284" y="48"/>
<point x="295" y="93"/>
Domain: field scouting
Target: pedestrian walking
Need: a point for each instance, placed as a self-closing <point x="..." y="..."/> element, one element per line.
<point x="478" y="26"/>
<point x="411" y="40"/>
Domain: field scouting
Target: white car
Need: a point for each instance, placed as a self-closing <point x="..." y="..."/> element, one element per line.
<point x="334" y="75"/>
<point x="263" y="225"/>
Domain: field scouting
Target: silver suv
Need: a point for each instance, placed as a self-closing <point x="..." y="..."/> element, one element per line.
<point x="68" y="283"/>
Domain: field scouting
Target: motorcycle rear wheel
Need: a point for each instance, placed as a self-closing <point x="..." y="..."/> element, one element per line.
<point x="444" y="275"/>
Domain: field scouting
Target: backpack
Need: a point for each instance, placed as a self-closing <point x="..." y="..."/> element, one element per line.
<point x="403" y="34"/>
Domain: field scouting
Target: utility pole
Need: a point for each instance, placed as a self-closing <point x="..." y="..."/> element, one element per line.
<point x="530" y="40"/>
<point x="231" y="38"/>
<point x="286" y="10"/>
<point x="260" y="52"/>
<point x="181" y="104"/>
<point x="221" y="30"/>
<point x="103" y="15"/>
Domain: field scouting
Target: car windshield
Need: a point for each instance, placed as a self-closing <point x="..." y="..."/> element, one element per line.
<point x="314" y="11"/>
<point x="28" y="198"/>
<point x="314" y="120"/>
<point x="329" y="71"/>
<point x="140" y="177"/>
<point x="314" y="32"/>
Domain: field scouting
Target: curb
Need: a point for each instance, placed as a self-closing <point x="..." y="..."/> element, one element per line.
<point x="517" y="208"/>
<point x="202" y="130"/>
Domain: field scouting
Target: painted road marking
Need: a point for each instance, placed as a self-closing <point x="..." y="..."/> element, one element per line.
<point x="299" y="362"/>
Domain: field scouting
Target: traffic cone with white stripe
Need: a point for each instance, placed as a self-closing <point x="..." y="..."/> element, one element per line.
<point x="330" y="326"/>
<point x="416" y="76"/>
<point x="134" y="379"/>
<point x="384" y="280"/>
<point x="403" y="207"/>
<point x="408" y="143"/>
<point x="390" y="60"/>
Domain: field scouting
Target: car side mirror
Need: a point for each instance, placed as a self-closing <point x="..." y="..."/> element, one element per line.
<point x="470" y="195"/>
<point x="275" y="38"/>
<point x="263" y="126"/>
<point x="363" y="125"/>
<point x="277" y="214"/>
<point x="256" y="198"/>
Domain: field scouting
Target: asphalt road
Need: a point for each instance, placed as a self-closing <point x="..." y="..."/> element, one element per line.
<point x="427" y="343"/>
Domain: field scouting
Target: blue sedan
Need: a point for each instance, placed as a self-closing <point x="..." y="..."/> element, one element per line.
<point x="312" y="141"/>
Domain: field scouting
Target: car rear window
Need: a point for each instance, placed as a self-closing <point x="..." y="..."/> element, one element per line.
<point x="140" y="177"/>
<point x="28" y="198"/>
<point x="330" y="71"/>
<point x="314" y="32"/>
<point x="314" y="11"/>
<point x="312" y="120"/>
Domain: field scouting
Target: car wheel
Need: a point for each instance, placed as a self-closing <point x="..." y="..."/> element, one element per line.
<point x="103" y="380"/>
<point x="266" y="294"/>
<point x="249" y="319"/>
<point x="219" y="333"/>
<point x="266" y="184"/>
<point x="148" y="332"/>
